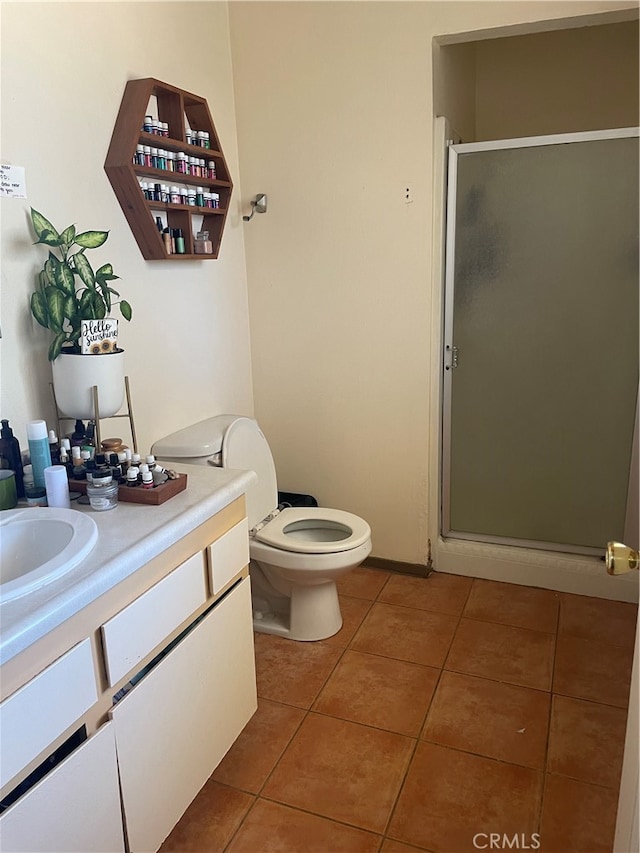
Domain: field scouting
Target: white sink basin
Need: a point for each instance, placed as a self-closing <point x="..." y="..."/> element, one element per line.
<point x="39" y="545"/>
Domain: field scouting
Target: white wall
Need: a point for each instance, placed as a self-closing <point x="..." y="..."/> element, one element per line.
<point x="64" y="69"/>
<point x="335" y="120"/>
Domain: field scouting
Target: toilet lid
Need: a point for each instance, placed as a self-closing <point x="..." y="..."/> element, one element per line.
<point x="244" y="446"/>
<point x="314" y="530"/>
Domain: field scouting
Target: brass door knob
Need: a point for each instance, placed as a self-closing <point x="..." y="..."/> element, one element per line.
<point x="620" y="559"/>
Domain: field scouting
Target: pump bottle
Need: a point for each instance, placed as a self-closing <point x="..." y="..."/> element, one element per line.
<point x="10" y="449"/>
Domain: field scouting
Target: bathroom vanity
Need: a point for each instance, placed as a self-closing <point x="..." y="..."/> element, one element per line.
<point x="137" y="666"/>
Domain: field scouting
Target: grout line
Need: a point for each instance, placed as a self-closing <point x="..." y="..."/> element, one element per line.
<point x="401" y="786"/>
<point x="483" y="755"/>
<point x="241" y="824"/>
<point x="342" y="822"/>
<point x="279" y="758"/>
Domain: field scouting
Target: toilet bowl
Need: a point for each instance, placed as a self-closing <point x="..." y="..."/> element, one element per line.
<point x="296" y="553"/>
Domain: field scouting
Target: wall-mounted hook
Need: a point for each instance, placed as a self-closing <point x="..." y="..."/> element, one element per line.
<point x="258" y="205"/>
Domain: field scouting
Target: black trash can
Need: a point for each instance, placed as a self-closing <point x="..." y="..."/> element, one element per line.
<point x="294" y="499"/>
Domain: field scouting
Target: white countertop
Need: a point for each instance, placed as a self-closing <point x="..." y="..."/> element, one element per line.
<point x="128" y="537"/>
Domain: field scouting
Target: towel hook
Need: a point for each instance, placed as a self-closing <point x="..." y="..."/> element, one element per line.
<point x="258" y="205"/>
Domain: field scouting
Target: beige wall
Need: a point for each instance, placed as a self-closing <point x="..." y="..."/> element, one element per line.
<point x="559" y="82"/>
<point x="335" y="120"/>
<point x="64" y="69"/>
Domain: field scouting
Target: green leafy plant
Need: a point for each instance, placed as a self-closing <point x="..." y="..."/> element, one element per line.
<point x="68" y="288"/>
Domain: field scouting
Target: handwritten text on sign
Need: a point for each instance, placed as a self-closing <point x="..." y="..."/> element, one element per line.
<point x="12" y="181"/>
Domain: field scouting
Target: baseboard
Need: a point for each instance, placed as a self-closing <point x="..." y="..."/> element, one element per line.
<point x="396" y="566"/>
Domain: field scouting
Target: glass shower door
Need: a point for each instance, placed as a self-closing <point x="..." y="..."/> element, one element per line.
<point x="541" y="332"/>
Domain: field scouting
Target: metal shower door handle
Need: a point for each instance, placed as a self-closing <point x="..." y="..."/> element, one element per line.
<point x="620" y="559"/>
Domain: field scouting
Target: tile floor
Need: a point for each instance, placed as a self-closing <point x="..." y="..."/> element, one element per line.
<point x="444" y="708"/>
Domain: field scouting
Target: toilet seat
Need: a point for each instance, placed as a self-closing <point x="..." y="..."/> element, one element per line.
<point x="314" y="530"/>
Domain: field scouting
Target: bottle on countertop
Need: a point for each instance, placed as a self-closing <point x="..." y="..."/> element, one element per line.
<point x="89" y="442"/>
<point x="78" y="435"/>
<point x="54" y="447"/>
<point x="102" y="491"/>
<point x="35" y="495"/>
<point x="38" y="438"/>
<point x="10" y="449"/>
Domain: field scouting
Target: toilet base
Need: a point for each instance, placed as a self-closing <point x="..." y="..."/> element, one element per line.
<point x="312" y="613"/>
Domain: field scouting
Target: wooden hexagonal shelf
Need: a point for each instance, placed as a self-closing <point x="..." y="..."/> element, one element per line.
<point x="177" y="111"/>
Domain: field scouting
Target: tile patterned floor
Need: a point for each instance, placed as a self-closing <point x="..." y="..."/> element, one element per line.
<point x="444" y="708"/>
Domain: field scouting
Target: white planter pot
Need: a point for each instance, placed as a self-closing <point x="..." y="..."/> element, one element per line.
<point x="75" y="375"/>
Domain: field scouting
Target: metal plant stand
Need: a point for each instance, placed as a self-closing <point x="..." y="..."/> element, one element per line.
<point x="96" y="410"/>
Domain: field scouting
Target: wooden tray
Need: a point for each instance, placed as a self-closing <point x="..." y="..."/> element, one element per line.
<point x="138" y="495"/>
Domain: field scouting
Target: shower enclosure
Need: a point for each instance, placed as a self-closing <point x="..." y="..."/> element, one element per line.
<point x="540" y="373"/>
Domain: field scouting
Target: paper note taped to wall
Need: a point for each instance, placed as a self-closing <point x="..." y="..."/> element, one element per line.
<point x="12" y="181"/>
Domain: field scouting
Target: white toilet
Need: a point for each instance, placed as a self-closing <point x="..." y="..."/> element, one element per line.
<point x="296" y="553"/>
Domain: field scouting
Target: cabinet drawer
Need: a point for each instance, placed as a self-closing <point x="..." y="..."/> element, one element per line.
<point x="228" y="555"/>
<point x="34" y="716"/>
<point x="139" y="628"/>
<point x="75" y="808"/>
<point x="173" y="728"/>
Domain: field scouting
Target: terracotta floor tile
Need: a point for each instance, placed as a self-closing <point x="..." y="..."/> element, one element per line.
<point x="450" y="796"/>
<point x="511" y="604"/>
<point x="441" y="592"/>
<point x="341" y="770"/>
<point x="291" y="672"/>
<point x="503" y="653"/>
<point x="497" y="720"/>
<point x="353" y="612"/>
<point x="362" y="583"/>
<point x="597" y="619"/>
<point x="274" y="828"/>
<point x="588" y="670"/>
<point x="210" y="820"/>
<point x="261" y="743"/>
<point x="586" y="741"/>
<point x="388" y="694"/>
<point x="577" y="817"/>
<point x="418" y="636"/>
<point x="391" y="846"/>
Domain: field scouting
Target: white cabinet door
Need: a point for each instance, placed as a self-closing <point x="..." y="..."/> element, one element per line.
<point x="34" y="716"/>
<point x="143" y="624"/>
<point x="228" y="555"/>
<point x="174" y="727"/>
<point x="74" y="809"/>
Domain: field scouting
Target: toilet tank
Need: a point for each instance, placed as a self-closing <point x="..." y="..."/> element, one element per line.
<point x="228" y="441"/>
<point x="198" y="444"/>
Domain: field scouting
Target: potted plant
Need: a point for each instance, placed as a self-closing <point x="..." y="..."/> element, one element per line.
<point x="68" y="293"/>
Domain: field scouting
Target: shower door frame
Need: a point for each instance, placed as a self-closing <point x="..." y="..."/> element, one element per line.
<point x="454" y="151"/>
<point x="582" y="574"/>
